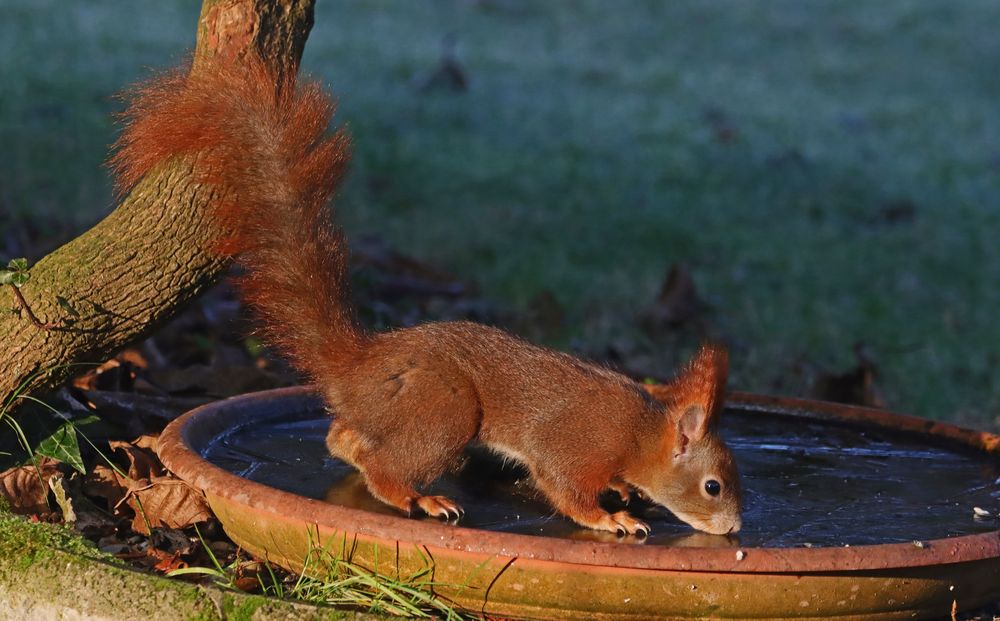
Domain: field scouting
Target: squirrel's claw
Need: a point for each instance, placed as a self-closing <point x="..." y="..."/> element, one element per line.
<point x="623" y="524"/>
<point x="440" y="507"/>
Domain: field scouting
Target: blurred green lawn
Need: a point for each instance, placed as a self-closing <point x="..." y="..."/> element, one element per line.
<point x="829" y="170"/>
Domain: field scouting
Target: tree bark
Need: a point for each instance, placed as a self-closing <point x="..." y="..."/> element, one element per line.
<point x="132" y="271"/>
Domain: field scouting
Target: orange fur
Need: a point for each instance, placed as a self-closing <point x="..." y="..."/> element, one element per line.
<point x="702" y="382"/>
<point x="408" y="401"/>
<point x="264" y="144"/>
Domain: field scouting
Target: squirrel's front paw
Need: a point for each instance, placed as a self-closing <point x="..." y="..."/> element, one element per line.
<point x="440" y="507"/>
<point x="623" y="523"/>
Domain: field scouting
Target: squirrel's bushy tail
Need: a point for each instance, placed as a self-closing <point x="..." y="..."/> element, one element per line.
<point x="262" y="142"/>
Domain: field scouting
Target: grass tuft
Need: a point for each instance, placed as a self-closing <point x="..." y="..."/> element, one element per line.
<point x="338" y="580"/>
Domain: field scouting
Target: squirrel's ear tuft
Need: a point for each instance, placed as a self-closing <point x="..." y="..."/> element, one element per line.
<point x="696" y="396"/>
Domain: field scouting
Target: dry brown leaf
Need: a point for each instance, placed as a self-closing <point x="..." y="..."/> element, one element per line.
<point x="92" y="522"/>
<point x="156" y="497"/>
<point x="134" y="357"/>
<point x="677" y="303"/>
<point x="104" y="482"/>
<point x="856" y="386"/>
<point x="148" y="441"/>
<point x="142" y="458"/>
<point x="248" y="576"/>
<point x="88" y="380"/>
<point x="117" y="374"/>
<point x="166" y="501"/>
<point x="249" y="584"/>
<point x="152" y="557"/>
<point x="450" y="74"/>
<point x="169" y="562"/>
<point x="26" y="488"/>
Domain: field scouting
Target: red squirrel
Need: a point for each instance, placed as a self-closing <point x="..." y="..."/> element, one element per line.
<point x="407" y="401"/>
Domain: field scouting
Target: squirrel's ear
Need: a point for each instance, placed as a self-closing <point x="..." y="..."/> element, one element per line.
<point x="694" y="399"/>
<point x="690" y="426"/>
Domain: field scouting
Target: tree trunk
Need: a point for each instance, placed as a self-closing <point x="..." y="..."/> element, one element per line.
<point x="132" y="271"/>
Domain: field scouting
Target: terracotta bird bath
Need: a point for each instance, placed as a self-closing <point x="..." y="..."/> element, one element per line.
<point x="851" y="513"/>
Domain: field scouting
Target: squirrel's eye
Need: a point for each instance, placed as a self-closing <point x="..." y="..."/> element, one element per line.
<point x="713" y="487"/>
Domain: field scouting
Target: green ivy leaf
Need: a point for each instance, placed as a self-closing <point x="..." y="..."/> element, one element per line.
<point x="64" y="445"/>
<point x="16" y="273"/>
<point x="18" y="265"/>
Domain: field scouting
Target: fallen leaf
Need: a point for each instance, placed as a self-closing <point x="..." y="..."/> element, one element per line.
<point x="248" y="575"/>
<point x="104" y="482"/>
<point x="142" y="458"/>
<point x="450" y="74"/>
<point x="92" y="522"/>
<point x="855" y="386"/>
<point x="248" y="584"/>
<point x="25" y="488"/>
<point x="151" y="557"/>
<point x="155" y="497"/>
<point x="169" y="563"/>
<point x="677" y="303"/>
<point x="117" y="374"/>
<point x="166" y="501"/>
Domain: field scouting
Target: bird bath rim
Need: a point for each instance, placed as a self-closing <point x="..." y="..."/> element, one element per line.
<point x="180" y="444"/>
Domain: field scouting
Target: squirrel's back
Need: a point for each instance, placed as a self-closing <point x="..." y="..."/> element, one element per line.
<point x="525" y="396"/>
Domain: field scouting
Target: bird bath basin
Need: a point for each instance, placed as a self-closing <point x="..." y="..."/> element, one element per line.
<point x="850" y="513"/>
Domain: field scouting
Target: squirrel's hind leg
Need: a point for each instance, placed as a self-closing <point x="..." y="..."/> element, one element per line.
<point x="350" y="446"/>
<point x="344" y="443"/>
<point x="391" y="490"/>
<point x="419" y="433"/>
